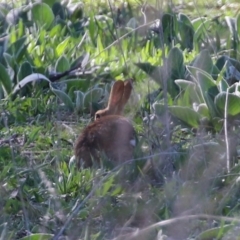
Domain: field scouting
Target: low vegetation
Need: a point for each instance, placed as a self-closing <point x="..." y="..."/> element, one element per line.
<point x="58" y="60"/>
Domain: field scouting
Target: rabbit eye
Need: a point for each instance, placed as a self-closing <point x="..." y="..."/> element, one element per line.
<point x="97" y="116"/>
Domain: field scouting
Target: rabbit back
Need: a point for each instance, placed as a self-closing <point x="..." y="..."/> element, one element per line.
<point x="114" y="135"/>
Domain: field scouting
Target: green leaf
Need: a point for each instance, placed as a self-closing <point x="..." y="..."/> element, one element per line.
<point x="9" y="59"/>
<point x="175" y="63"/>
<point x="50" y="2"/>
<point x="5" y="79"/>
<point x="188" y="93"/>
<point x="184" y="84"/>
<point x="38" y="236"/>
<point x="204" y="61"/>
<point x="186" y="31"/>
<point x="62" y="64"/>
<point x="18" y="48"/>
<point x="209" y="91"/>
<point x="203" y="110"/>
<point x="42" y="14"/>
<point x="92" y="29"/>
<point x="168" y="25"/>
<point x="201" y="33"/>
<point x="215" y="233"/>
<point x="55" y="31"/>
<point x="79" y="100"/>
<point x="62" y="46"/>
<point x="186" y="115"/>
<point x="196" y="22"/>
<point x="24" y="70"/>
<point x="233" y="106"/>
<point x="94" y="95"/>
<point x="21" y="28"/>
<point x="63" y="97"/>
<point x="30" y="78"/>
<point x="152" y="71"/>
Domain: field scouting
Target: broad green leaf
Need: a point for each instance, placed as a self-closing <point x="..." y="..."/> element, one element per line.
<point x="63" y="97"/>
<point x="209" y="91"/>
<point x="233" y="100"/>
<point x="215" y="72"/>
<point x="196" y="22"/>
<point x="5" y="79"/>
<point x="227" y="61"/>
<point x="42" y="14"/>
<point x="62" y="64"/>
<point x="79" y="100"/>
<point x="62" y="46"/>
<point x="204" y="61"/>
<point x="201" y="33"/>
<point x="190" y="93"/>
<point x="235" y="88"/>
<point x="18" y="48"/>
<point x="94" y="95"/>
<point x="207" y="83"/>
<point x="184" y="84"/>
<point x="194" y="71"/>
<point x="24" y="71"/>
<point x="157" y="73"/>
<point x="186" y="115"/>
<point x="203" y="110"/>
<point x="215" y="233"/>
<point x="168" y="24"/>
<point x="38" y="236"/>
<point x="152" y="71"/>
<point x="186" y="32"/>
<point x="175" y="63"/>
<point x="223" y="85"/>
<point x="184" y="99"/>
<point x="50" y="2"/>
<point x="9" y="59"/>
<point x="31" y="78"/>
<point x="185" y="19"/>
<point x="55" y="31"/>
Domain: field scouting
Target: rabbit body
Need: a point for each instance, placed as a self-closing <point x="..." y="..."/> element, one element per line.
<point x="110" y="133"/>
<point x="114" y="135"/>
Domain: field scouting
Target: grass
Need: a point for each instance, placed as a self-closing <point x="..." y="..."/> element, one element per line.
<point x="43" y="192"/>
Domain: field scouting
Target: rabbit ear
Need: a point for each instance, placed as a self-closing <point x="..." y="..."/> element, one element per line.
<point x="118" y="98"/>
<point x="116" y="95"/>
<point x="125" y="96"/>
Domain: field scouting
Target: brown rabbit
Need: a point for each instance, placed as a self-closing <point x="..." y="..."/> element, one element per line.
<point x="110" y="133"/>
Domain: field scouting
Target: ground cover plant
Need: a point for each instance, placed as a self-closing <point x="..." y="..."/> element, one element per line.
<point x="58" y="61"/>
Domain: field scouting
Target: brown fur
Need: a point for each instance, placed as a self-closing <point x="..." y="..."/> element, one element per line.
<point x="118" y="98"/>
<point x="111" y="133"/>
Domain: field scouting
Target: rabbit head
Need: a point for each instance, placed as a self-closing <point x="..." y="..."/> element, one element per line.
<point x="110" y="133"/>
